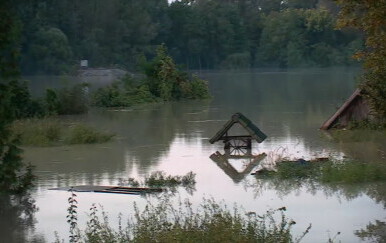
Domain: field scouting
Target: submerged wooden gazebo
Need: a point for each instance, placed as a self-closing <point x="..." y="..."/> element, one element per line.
<point x="239" y="144"/>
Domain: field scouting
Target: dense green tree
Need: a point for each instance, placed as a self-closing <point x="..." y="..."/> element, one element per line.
<point x="49" y="52"/>
<point x="369" y="17"/>
<point x="302" y="37"/>
<point x="200" y="34"/>
<point x="136" y="31"/>
<point x="12" y="178"/>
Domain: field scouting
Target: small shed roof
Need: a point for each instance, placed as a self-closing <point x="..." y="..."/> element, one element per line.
<point x="355" y="108"/>
<point x="251" y="128"/>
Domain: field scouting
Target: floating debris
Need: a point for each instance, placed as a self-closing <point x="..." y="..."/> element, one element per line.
<point x="110" y="189"/>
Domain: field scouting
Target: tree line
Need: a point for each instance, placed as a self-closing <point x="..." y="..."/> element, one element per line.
<point x="199" y="34"/>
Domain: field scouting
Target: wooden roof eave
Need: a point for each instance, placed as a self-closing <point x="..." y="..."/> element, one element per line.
<point x="252" y="130"/>
<point x="222" y="132"/>
<point x="327" y="124"/>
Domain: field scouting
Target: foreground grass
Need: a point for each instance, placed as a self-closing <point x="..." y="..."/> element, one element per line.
<point x="330" y="171"/>
<point x="211" y="222"/>
<point x="51" y="132"/>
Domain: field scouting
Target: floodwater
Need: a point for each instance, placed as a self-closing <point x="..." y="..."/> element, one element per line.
<point x="287" y="105"/>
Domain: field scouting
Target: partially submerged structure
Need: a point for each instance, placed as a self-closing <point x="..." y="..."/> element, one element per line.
<point x="354" y="109"/>
<point x="223" y="161"/>
<point x="239" y="144"/>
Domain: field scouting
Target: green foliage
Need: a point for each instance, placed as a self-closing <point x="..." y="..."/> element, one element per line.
<point x="212" y="222"/>
<point x="49" y="52"/>
<point x="51" y="132"/>
<point x="15" y="176"/>
<point x="52" y="102"/>
<point x="38" y="132"/>
<point x="160" y="179"/>
<point x="199" y="34"/>
<point x="71" y="100"/>
<point x="163" y="82"/>
<point x="81" y="134"/>
<point x="236" y="60"/>
<point x="368" y="16"/>
<point x="72" y="217"/>
<point x="353" y="172"/>
<point x="122" y="93"/>
<point x="298" y="37"/>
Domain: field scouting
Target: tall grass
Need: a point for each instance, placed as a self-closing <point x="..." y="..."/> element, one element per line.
<point x="38" y="132"/>
<point x="211" y="222"/>
<point x="51" y="132"/>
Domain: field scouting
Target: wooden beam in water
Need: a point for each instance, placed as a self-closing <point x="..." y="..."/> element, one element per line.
<point x="110" y="189"/>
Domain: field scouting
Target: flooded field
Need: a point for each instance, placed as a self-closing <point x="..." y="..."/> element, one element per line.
<point x="287" y="105"/>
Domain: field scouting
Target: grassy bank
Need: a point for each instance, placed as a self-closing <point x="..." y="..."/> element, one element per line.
<point x="329" y="171"/>
<point x="51" y="132"/>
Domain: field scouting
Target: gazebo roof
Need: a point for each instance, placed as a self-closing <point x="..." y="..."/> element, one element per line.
<point x="253" y="131"/>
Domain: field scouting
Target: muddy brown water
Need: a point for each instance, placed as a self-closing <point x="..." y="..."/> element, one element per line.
<point x="287" y="105"/>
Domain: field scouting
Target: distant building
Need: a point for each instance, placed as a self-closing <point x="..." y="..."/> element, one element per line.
<point x="84" y="64"/>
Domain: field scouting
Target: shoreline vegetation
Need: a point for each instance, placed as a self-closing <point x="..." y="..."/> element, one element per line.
<point x="163" y="81"/>
<point x="51" y="132"/>
<point x="38" y="124"/>
<point x="164" y="222"/>
<point x="199" y="34"/>
<point x="327" y="172"/>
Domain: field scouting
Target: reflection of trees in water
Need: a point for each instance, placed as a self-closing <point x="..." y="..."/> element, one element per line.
<point x="149" y="131"/>
<point x="17" y="218"/>
<point x="375" y="232"/>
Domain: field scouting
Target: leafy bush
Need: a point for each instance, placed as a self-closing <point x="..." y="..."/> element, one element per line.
<point x="72" y="100"/>
<point x="163" y="82"/>
<point x="120" y="94"/>
<point x="81" y="134"/>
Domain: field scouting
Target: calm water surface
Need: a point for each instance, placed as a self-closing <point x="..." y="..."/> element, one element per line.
<point x="289" y="106"/>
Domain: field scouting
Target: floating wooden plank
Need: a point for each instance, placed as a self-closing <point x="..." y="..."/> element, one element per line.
<point x="110" y="189"/>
